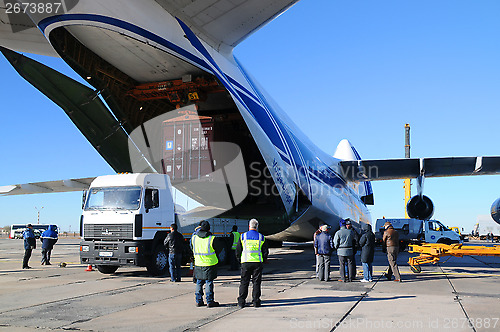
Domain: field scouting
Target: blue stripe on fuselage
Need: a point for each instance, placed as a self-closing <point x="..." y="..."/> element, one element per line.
<point x="296" y="154"/>
<point x="263" y="114"/>
<point x="264" y="121"/>
<point x="126" y="26"/>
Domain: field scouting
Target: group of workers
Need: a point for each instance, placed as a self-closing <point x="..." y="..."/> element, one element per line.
<point x="346" y="242"/>
<point x="248" y="249"/>
<point x="49" y="238"/>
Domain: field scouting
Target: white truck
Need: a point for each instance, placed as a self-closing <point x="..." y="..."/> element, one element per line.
<point x="417" y="231"/>
<point x="126" y="218"/>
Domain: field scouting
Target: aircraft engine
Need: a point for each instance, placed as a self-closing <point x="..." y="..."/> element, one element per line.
<point x="495" y="211"/>
<point x="420" y="207"/>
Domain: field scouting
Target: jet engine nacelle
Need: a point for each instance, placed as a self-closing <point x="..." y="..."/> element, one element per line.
<point x="420" y="207"/>
<point x="495" y="211"/>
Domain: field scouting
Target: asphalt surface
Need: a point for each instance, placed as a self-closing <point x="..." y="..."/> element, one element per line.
<point x="461" y="294"/>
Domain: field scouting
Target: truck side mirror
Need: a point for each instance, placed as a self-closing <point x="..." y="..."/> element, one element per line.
<point x="84" y="198"/>
<point x="148" y="200"/>
<point x="156" y="199"/>
<point x="151" y="199"/>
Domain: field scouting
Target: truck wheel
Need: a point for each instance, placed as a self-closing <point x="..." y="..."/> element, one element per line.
<point x="421" y="238"/>
<point x="107" y="269"/>
<point x="444" y="241"/>
<point x="158" y="266"/>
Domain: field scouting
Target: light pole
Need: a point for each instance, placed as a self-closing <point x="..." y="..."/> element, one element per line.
<point x="38" y="214"/>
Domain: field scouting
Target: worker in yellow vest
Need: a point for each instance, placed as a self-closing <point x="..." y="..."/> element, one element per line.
<point x="234" y="238"/>
<point x="205" y="248"/>
<point x="252" y="251"/>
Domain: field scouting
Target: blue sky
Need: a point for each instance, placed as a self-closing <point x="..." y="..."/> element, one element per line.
<point x="340" y="69"/>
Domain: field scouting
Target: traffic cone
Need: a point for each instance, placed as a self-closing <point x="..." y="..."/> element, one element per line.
<point x="89" y="268"/>
<point x="191" y="270"/>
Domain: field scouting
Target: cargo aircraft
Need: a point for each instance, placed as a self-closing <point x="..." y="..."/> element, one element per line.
<point x="146" y="59"/>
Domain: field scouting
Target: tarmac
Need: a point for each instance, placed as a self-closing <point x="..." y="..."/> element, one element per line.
<point x="461" y="294"/>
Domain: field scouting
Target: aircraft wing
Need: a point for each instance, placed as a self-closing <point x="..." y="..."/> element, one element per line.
<point x="390" y="169"/>
<point x="59" y="186"/>
<point x="225" y="23"/>
<point x="18" y="32"/>
<point x="82" y="105"/>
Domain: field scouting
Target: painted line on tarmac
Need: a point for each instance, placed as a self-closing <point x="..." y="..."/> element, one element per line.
<point x="123" y="289"/>
<point x="487" y="264"/>
<point x="231" y="310"/>
<point x="464" y="274"/>
<point x="448" y="273"/>
<point x="457" y="299"/>
<point x="363" y="295"/>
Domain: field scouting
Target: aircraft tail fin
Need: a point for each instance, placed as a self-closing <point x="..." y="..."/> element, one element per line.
<point x="347" y="152"/>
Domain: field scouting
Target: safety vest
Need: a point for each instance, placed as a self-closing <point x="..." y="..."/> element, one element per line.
<point x="236" y="238"/>
<point x="252" y="249"/>
<point x="203" y="250"/>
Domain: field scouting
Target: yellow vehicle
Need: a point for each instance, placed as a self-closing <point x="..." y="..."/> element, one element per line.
<point x="432" y="252"/>
<point x="459" y="231"/>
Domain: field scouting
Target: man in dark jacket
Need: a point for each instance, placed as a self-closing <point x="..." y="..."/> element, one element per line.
<point x="351" y="265"/>
<point x="205" y="248"/>
<point x="29" y="245"/>
<point x="344" y="242"/>
<point x="48" y="238"/>
<point x="367" y="243"/>
<point x="315" y="250"/>
<point x="174" y="243"/>
<point x="323" y="245"/>
<point x="234" y="238"/>
<point x="391" y="242"/>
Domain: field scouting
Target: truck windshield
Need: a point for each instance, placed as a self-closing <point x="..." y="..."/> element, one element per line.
<point x="114" y="198"/>
<point x="443" y="227"/>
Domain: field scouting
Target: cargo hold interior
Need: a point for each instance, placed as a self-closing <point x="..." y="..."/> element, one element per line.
<point x="114" y="86"/>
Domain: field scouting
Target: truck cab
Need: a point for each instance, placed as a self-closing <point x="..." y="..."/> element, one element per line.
<point x="436" y="232"/>
<point x="417" y="231"/>
<point x="125" y="220"/>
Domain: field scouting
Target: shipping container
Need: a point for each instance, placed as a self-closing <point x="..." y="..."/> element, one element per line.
<point x="186" y="147"/>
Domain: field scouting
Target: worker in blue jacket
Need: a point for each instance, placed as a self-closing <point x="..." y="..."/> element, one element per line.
<point x="48" y="238"/>
<point x="323" y="247"/>
<point x="29" y="245"/>
<point x="251" y="251"/>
